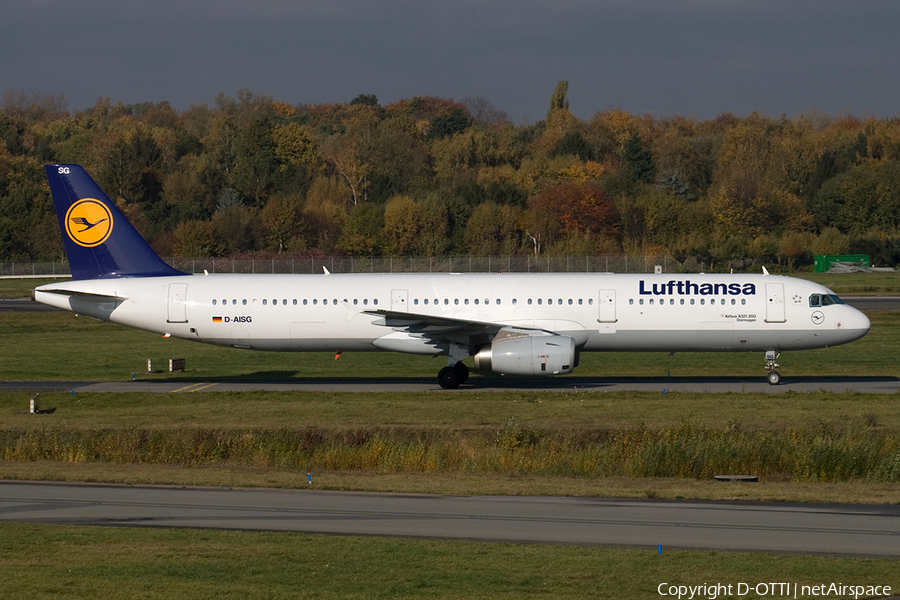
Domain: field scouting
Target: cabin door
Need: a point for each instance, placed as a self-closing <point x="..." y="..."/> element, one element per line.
<point x="775" y="303"/>
<point x="606" y="311"/>
<point x="177" y="298"/>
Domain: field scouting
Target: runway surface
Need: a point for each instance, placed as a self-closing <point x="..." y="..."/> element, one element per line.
<point x="764" y="527"/>
<point x="706" y="385"/>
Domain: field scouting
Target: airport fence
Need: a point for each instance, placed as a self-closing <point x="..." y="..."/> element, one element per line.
<point x="604" y="263"/>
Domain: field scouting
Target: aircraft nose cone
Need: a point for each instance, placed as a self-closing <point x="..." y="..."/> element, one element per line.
<point x="862" y="321"/>
<point x="857" y="324"/>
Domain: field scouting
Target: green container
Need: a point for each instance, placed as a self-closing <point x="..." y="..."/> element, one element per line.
<point x="824" y="261"/>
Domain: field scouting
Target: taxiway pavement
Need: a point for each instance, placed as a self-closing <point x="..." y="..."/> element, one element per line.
<point x="870" y="530"/>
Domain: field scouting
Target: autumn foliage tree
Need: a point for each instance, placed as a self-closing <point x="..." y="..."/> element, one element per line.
<point x="579" y="208"/>
<point x="434" y="176"/>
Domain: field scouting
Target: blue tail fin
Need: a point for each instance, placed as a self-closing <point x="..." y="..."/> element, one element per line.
<point x="99" y="241"/>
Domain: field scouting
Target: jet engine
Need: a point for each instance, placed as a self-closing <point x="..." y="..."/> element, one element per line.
<point x="527" y="352"/>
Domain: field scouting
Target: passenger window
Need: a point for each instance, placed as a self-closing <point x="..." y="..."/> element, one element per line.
<point x="315" y="301"/>
<point x="244" y="301"/>
<point x="295" y="302"/>
<point x="681" y="301"/>
<point x="529" y="302"/>
<point x="466" y="301"/>
<point x="476" y="300"/>
<point x="692" y="301"/>
<point x="498" y="301"/>
<point x="591" y="301"/>
<point x="651" y="301"/>
<point x="641" y="301"/>
<point x="733" y="301"/>
<point x="540" y="301"/>
<point x="416" y="301"/>
<point x="743" y="301"/>
<point x="702" y="301"/>
<point x="514" y="301"/>
<point x="214" y="301"/>
<point x="580" y="301"/>
<point x="264" y="301"/>
<point x="355" y="301"/>
<point x="711" y="301"/>
<point x="631" y="301"/>
<point x="672" y="301"/>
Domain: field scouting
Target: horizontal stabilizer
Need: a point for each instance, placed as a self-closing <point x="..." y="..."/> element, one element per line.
<point x="85" y="295"/>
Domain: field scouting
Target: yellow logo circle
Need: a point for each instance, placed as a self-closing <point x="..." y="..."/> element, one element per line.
<point x="89" y="222"/>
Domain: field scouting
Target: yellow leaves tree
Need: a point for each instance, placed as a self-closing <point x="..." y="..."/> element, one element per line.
<point x="294" y="145"/>
<point x="493" y="230"/>
<point x="403" y="223"/>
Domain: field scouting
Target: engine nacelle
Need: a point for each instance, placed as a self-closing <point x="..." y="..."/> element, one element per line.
<point x="528" y="355"/>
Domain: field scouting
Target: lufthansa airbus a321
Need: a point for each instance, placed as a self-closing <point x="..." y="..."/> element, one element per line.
<point x="528" y="324"/>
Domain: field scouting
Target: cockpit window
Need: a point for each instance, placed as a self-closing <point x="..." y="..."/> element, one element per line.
<point x="824" y="300"/>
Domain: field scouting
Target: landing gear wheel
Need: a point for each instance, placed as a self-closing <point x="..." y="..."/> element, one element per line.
<point x="463" y="372"/>
<point x="774" y="377"/>
<point x="449" y="378"/>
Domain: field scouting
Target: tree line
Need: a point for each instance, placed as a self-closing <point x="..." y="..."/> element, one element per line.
<point x="426" y="176"/>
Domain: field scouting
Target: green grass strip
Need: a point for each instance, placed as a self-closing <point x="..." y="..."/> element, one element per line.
<point x="44" y="561"/>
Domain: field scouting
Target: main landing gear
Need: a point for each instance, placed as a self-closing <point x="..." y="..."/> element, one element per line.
<point x="451" y="377"/>
<point x="773" y="377"/>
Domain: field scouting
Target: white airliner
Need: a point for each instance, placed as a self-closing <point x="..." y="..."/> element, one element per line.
<point x="516" y="324"/>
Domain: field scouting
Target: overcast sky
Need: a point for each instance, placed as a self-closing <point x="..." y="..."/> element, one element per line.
<point x="697" y="58"/>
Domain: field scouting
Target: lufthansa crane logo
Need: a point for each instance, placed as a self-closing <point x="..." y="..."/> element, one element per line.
<point x="89" y="222"/>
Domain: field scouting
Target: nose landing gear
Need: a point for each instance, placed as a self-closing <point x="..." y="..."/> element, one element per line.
<point x="773" y="377"/>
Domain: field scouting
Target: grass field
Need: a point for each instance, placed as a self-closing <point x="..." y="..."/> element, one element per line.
<point x="805" y="447"/>
<point x="112" y="563"/>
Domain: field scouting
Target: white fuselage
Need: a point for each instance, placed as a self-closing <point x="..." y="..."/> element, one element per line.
<point x="601" y="312"/>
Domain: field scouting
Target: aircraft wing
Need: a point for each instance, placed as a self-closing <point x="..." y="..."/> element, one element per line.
<point x="441" y="329"/>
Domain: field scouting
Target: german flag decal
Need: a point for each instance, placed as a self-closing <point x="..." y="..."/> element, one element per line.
<point x="217" y="319"/>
